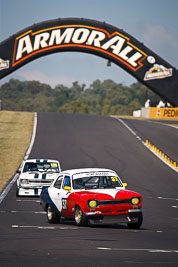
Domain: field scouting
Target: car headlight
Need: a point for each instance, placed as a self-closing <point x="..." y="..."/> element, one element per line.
<point x="135" y="201"/>
<point x="92" y="203"/>
<point x="24" y="181"/>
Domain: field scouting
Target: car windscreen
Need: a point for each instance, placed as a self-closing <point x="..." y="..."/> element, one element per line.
<point x="41" y="167"/>
<point x="97" y="182"/>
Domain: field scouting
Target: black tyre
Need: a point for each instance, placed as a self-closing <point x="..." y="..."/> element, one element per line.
<point x="52" y="216"/>
<point x="136" y="225"/>
<point x="80" y="218"/>
<point x="17" y="192"/>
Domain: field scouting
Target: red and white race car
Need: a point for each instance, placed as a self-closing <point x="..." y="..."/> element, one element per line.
<point x="34" y="174"/>
<point x="91" y="195"/>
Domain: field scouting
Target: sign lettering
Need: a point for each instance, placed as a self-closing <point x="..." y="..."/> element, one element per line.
<point x="163" y="113"/>
<point x="115" y="45"/>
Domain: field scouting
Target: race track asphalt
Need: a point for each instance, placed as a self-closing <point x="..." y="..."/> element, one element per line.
<point x="26" y="238"/>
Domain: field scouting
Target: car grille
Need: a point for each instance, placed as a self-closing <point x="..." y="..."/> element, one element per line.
<point x="114" y="202"/>
<point x="40" y="182"/>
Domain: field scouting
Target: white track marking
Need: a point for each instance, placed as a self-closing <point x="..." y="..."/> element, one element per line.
<point x="169" y="125"/>
<point x="31" y="226"/>
<point x="33" y="137"/>
<point x="19" y="211"/>
<point x="7" y="188"/>
<point x="45" y="227"/>
<point x="10" y="184"/>
<point x="75" y="228"/>
<point x="150" y="250"/>
<point x="139" y="138"/>
<point x="167" y="198"/>
<point x="125" y="124"/>
<point x="27" y="200"/>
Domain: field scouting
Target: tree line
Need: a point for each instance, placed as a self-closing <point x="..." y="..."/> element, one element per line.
<point x="101" y="97"/>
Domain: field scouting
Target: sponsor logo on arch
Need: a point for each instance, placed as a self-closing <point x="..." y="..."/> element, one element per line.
<point x="4" y="64"/>
<point x="115" y="45"/>
<point x="158" y="72"/>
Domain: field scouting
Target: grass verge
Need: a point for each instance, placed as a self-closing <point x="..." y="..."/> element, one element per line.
<point x="15" y="135"/>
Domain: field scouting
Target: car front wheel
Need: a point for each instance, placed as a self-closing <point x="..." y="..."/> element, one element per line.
<point x="17" y="191"/>
<point x="136" y="225"/>
<point x="80" y="218"/>
<point x="52" y="216"/>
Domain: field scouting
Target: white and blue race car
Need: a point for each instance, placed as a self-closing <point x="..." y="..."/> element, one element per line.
<point x="35" y="174"/>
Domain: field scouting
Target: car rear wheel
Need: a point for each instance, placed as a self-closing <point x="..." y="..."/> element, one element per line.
<point x="136" y="225"/>
<point x="80" y="218"/>
<point x="52" y="216"/>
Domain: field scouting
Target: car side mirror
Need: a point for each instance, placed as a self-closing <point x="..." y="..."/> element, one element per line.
<point x="68" y="188"/>
<point x="18" y="171"/>
<point x="125" y="185"/>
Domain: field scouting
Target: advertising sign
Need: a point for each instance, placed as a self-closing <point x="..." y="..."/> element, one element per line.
<point x="163" y="113"/>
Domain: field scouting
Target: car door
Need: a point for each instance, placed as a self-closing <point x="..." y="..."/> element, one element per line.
<point x="61" y="191"/>
<point x="55" y="192"/>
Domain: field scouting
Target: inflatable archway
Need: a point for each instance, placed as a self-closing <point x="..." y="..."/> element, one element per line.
<point x="90" y="36"/>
